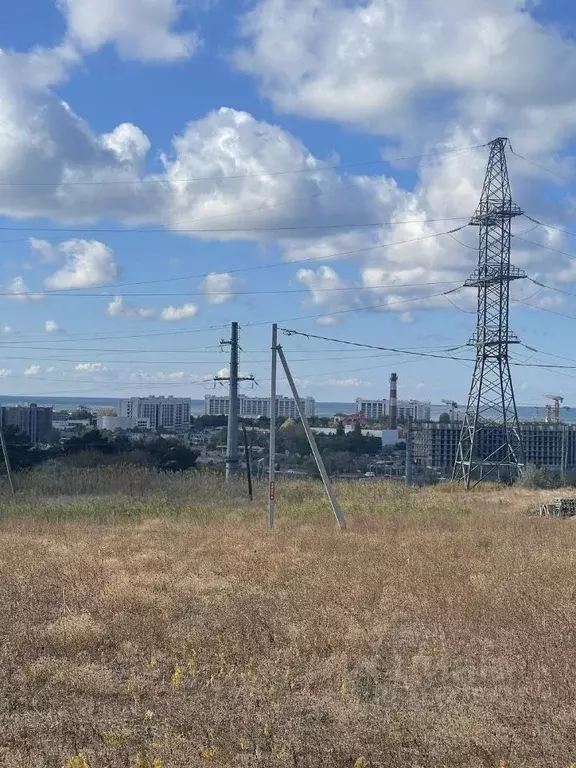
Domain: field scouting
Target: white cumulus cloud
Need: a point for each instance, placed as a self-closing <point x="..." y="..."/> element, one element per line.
<point x="219" y="287"/>
<point x="383" y="64"/>
<point x="228" y="142"/>
<point x="43" y="249"/>
<point x="420" y="76"/>
<point x="45" y="146"/>
<point x="349" y="383"/>
<point x="427" y="77"/>
<point x="18" y="290"/>
<point x="117" y="308"/>
<point x="166" y="376"/>
<point x="183" y="312"/>
<point x="89" y="264"/>
<point x="140" y="29"/>
<point x="224" y="373"/>
<point x="91" y="368"/>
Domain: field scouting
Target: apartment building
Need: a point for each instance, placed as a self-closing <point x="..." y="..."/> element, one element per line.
<point x="372" y="410"/>
<point x="546" y="445"/>
<point x="33" y="420"/>
<point x="254" y="407"/>
<point x="417" y="410"/>
<point x="115" y="423"/>
<point x="161" y="412"/>
<point x="435" y="445"/>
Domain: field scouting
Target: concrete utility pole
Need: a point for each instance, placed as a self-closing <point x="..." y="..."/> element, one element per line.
<point x="248" y="455"/>
<point x="272" y="456"/>
<point x="232" y="439"/>
<point x="232" y="379"/>
<point x="312" y="442"/>
<point x="564" y="456"/>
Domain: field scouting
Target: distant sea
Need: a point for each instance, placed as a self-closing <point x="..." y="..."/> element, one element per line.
<point x="62" y="403"/>
<point x="525" y="413"/>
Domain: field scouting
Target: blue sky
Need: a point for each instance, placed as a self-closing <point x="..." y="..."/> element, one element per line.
<point x="167" y="167"/>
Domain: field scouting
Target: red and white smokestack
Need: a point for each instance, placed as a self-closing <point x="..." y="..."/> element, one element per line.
<point x="393" y="402"/>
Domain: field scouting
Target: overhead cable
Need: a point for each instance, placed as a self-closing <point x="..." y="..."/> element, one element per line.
<point x="291" y="332"/>
<point x="113" y="294"/>
<point x="224" y="177"/>
<point x="238" y="270"/>
<point x="217" y="230"/>
<point x="541" y="167"/>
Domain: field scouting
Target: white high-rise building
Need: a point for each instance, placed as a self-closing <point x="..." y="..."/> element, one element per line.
<point x="254" y="407"/>
<point x="216" y="405"/>
<point x="286" y="407"/>
<point x="417" y="410"/>
<point x="371" y="409"/>
<point x="165" y="412"/>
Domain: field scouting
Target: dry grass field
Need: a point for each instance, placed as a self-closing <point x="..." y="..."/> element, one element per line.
<point x="152" y="622"/>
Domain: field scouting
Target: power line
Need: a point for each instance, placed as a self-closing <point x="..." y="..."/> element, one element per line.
<point x="384" y="305"/>
<point x="464" y="311"/>
<point x="242" y="293"/>
<point x="114" y="384"/>
<point x="541" y="167"/>
<point x="548" y="354"/>
<point x="224" y="177"/>
<point x="550" y="226"/>
<point x="292" y="332"/>
<point x="544" y="365"/>
<point x="322" y="257"/>
<point x="78" y="359"/>
<point x="263" y="207"/>
<point x="544" y="309"/>
<point x="85" y="351"/>
<point x="118" y="337"/>
<point x="227" y="230"/>
<point x="545" y="247"/>
<point x="551" y="287"/>
<point x="204" y="383"/>
<point x="392" y="361"/>
<point x="465" y="245"/>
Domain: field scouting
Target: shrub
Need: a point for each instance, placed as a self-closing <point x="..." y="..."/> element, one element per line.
<point x="537" y="477"/>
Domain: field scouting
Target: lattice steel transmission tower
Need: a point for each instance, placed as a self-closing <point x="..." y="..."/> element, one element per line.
<point x="490" y="441"/>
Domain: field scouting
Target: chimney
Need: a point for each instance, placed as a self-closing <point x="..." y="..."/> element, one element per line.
<point x="393" y="403"/>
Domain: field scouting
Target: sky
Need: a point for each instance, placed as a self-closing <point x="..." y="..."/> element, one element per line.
<point x="169" y="166"/>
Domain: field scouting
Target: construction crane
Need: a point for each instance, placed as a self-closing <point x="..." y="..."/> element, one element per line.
<point x="453" y="406"/>
<point x="553" y="411"/>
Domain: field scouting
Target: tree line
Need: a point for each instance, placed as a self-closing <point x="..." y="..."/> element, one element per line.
<point x="95" y="449"/>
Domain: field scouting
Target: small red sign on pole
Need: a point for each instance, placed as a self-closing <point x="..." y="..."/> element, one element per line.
<point x="271" y="491"/>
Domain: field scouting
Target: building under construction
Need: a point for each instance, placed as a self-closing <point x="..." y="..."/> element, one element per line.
<point x="545" y="445"/>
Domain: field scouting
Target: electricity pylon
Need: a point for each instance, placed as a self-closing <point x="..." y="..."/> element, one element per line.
<point x="490" y="442"/>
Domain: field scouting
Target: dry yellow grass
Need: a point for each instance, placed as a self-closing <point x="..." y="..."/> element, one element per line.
<point x="437" y="632"/>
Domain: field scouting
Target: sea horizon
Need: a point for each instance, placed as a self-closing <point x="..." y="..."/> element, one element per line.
<point x="324" y="408"/>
